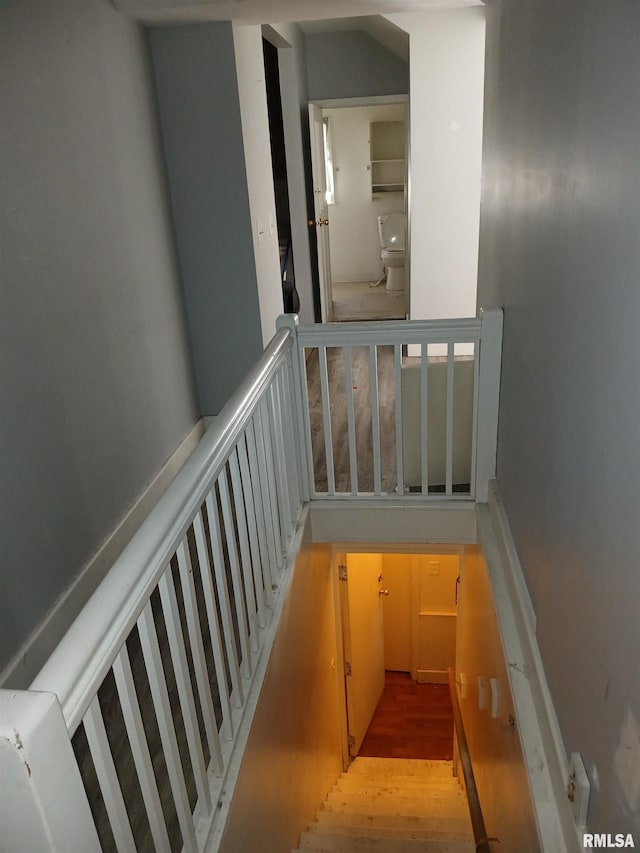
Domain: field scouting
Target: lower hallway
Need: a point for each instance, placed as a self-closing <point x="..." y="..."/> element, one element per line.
<point x="412" y="721"/>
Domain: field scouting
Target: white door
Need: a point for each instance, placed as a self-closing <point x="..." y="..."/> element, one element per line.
<point x="363" y="638"/>
<point x="320" y="209"/>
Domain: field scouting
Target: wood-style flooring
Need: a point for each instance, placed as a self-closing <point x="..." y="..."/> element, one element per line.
<point x="362" y="410"/>
<point x="411" y="721"/>
<point x="362" y="300"/>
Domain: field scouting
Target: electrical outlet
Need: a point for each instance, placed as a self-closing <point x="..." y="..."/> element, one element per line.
<point x="578" y="789"/>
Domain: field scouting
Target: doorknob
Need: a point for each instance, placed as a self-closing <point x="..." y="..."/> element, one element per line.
<point x="383" y="592"/>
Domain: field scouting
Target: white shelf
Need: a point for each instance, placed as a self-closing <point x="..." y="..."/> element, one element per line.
<point x="388" y="165"/>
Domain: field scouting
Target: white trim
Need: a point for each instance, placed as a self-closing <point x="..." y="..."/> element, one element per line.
<point x="542" y="746"/>
<point x="397" y="548"/>
<point x="398" y="521"/>
<point x="363" y="101"/>
<point x="25" y="665"/>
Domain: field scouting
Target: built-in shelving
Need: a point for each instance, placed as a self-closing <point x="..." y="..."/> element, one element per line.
<point x="387" y="152"/>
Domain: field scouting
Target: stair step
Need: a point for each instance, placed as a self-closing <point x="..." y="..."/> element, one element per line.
<point x="382" y="792"/>
<point x="462" y="832"/>
<point x="408" y="783"/>
<point x="402" y="767"/>
<point x="342" y="844"/>
<point x="394" y="804"/>
<point x="435" y="823"/>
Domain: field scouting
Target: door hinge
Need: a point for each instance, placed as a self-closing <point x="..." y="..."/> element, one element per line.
<point x="342" y="573"/>
<point x="347" y="668"/>
<point x="352" y="745"/>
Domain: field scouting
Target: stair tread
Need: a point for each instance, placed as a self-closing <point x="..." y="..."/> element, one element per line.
<point x="445" y="823"/>
<point x="377" y="795"/>
<point x="392" y="806"/>
<point x="462" y="833"/>
<point x="402" y="766"/>
<point x="399" y="808"/>
<point x="339" y="844"/>
<point x="407" y="783"/>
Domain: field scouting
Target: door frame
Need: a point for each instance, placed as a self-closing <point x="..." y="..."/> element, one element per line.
<point x="326" y="291"/>
<point x="339" y="551"/>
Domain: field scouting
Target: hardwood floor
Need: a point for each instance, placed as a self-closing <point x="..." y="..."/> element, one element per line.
<point x="362" y="405"/>
<point x="361" y="300"/>
<point x="411" y="721"/>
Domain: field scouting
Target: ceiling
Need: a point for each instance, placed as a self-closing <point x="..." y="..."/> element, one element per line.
<point x="358" y="12"/>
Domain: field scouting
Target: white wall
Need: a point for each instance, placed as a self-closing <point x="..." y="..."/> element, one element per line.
<point x="95" y="372"/>
<point x="447" y="71"/>
<point x="353" y="229"/>
<point x="257" y="152"/>
<point x="560" y="250"/>
<point x="494" y="744"/>
<point x="294" y="753"/>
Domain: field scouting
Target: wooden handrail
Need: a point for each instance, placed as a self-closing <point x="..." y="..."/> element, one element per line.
<point x="483" y="843"/>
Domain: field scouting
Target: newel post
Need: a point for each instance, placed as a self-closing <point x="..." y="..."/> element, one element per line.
<point x="43" y="804"/>
<point x="291" y="322"/>
<point x="488" y="399"/>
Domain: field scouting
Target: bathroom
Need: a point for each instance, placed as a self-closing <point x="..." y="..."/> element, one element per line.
<point x="363" y="190"/>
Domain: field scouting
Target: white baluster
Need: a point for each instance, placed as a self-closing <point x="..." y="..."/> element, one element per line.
<point x="140" y="750"/>
<point x="375" y="419"/>
<point x="108" y="778"/>
<point x="162" y="706"/>
<point x="237" y="695"/>
<point x="181" y="668"/>
<point x="351" y="421"/>
<point x="214" y="628"/>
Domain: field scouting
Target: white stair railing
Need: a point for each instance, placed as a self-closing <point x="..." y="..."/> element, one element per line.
<point x="156" y="671"/>
<point x="129" y="730"/>
<point x="418" y="420"/>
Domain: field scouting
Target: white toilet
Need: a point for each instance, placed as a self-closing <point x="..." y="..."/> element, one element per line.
<point x="392" y="229"/>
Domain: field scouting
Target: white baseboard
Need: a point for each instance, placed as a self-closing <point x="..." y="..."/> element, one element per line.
<point x="25" y="665"/>
<point x="432" y="676"/>
<point x="542" y="744"/>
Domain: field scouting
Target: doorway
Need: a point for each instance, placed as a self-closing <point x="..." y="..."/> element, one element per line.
<point x="398" y="617"/>
<point x="359" y="163"/>
<point x="290" y="297"/>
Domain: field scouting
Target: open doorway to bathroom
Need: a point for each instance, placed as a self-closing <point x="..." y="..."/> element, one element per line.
<point x="364" y="149"/>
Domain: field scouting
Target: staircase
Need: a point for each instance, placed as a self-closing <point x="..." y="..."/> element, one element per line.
<point x="393" y="805"/>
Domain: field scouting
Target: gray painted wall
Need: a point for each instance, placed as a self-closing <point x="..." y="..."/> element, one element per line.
<point x="352" y="65"/>
<point x="95" y="376"/>
<point x="560" y="250"/>
<point x="197" y="89"/>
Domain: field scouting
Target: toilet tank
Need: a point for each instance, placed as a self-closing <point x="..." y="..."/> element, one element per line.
<point x="391" y="230"/>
